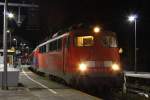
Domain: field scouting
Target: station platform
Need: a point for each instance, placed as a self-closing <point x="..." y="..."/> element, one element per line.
<point x="137" y="74"/>
<point x="34" y="87"/>
<point x="12" y="76"/>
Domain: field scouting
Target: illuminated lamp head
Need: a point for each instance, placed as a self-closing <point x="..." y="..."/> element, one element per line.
<point x="10" y="15"/>
<point x="132" y="18"/>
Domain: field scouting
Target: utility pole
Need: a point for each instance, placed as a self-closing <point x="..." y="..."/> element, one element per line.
<point x="4" y="75"/>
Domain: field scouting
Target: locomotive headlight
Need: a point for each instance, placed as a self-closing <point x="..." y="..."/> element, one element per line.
<point x="115" y="67"/>
<point x="82" y="67"/>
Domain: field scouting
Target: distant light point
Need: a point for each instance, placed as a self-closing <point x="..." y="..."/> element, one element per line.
<point x="132" y="18"/>
<point x="10" y="15"/>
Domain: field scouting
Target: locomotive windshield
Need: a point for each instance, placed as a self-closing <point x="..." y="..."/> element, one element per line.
<point x="82" y="41"/>
<point x="109" y="41"/>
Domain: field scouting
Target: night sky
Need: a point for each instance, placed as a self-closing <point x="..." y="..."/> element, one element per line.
<point x="55" y="15"/>
<point x="111" y="15"/>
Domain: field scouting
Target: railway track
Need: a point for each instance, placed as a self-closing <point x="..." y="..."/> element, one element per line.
<point x="138" y="86"/>
<point x="138" y="90"/>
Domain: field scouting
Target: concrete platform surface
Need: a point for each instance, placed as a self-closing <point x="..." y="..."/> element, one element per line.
<point x="138" y="74"/>
<point x="33" y="87"/>
<point x="12" y="76"/>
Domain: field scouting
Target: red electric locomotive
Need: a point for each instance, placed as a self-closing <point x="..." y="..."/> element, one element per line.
<point x="81" y="55"/>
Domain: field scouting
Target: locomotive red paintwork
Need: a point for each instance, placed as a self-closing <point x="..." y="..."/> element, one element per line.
<point x="78" y="54"/>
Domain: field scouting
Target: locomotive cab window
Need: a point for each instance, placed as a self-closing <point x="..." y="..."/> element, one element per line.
<point x="109" y="41"/>
<point x="81" y="41"/>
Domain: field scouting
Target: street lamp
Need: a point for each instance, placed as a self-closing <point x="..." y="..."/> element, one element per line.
<point x="16" y="42"/>
<point x="10" y="15"/>
<point x="8" y="31"/>
<point x="132" y="18"/>
<point x="27" y="47"/>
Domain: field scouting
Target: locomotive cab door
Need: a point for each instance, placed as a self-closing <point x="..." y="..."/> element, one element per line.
<point x="65" y="49"/>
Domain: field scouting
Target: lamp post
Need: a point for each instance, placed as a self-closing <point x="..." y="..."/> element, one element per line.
<point x="8" y="31"/>
<point x="10" y="16"/>
<point x="132" y="18"/>
<point x="27" y="47"/>
<point x="15" y="41"/>
<point x="4" y="76"/>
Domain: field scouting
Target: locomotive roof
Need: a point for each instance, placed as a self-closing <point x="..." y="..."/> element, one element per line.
<point x="52" y="39"/>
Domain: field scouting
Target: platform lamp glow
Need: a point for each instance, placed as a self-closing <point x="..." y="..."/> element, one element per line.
<point x="132" y="18"/>
<point x="10" y="15"/>
<point x="9" y="33"/>
<point x="15" y="41"/>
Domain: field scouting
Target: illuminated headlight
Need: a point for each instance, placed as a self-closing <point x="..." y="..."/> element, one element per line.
<point x="115" y="67"/>
<point x="82" y="67"/>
